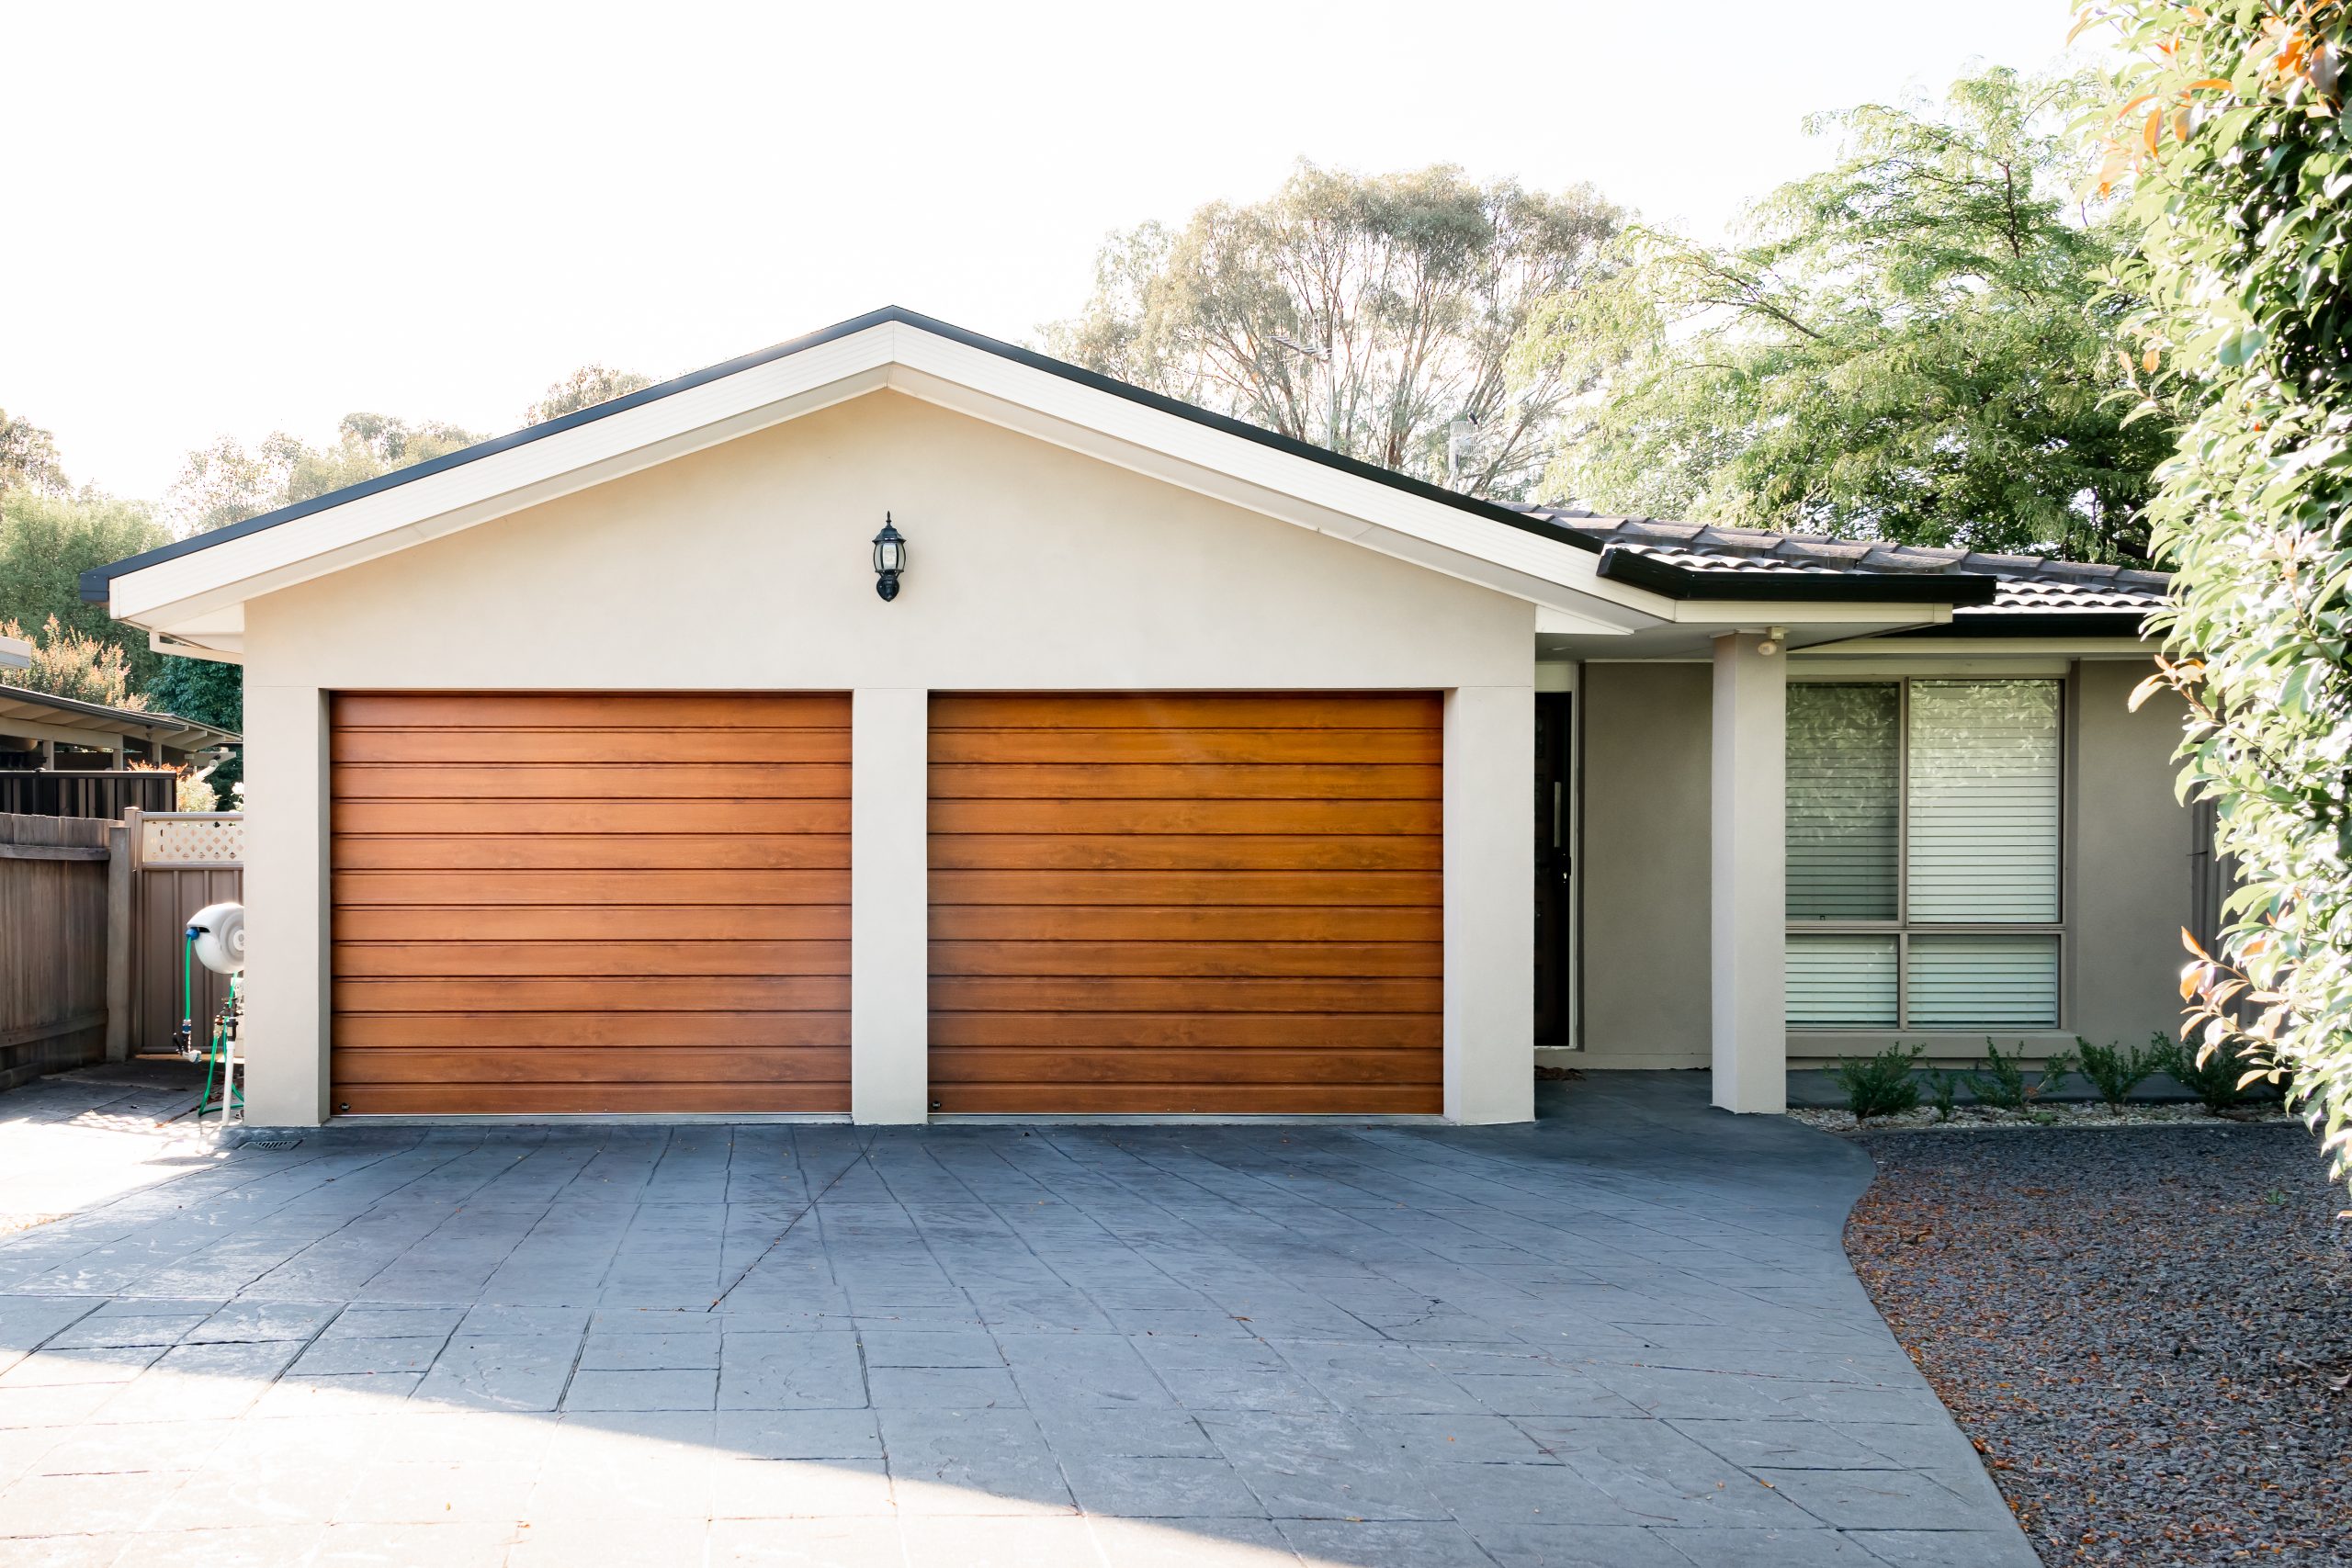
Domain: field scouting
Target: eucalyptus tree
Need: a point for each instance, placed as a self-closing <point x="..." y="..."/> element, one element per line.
<point x="1374" y="315"/>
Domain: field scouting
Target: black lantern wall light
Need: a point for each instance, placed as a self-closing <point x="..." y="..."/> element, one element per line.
<point x="889" y="559"/>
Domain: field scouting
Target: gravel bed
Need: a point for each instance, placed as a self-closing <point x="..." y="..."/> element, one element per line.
<point x="2048" y="1113"/>
<point x="2147" y="1331"/>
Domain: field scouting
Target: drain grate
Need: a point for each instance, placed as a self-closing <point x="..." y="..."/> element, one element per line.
<point x="276" y="1146"/>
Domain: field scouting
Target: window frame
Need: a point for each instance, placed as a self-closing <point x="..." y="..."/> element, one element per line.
<point x="1903" y="928"/>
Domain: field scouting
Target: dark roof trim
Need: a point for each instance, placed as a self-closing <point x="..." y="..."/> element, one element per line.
<point x="1639" y="569"/>
<point x="2031" y="623"/>
<point x="95" y="581"/>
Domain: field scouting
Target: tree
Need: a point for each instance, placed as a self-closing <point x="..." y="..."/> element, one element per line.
<point x="47" y="542"/>
<point x="1915" y="344"/>
<point x="1368" y="314"/>
<point x="210" y="692"/>
<point x="29" y="458"/>
<point x="2235" y="143"/>
<point x="584" y="388"/>
<point x="225" y="482"/>
<point x="68" y="664"/>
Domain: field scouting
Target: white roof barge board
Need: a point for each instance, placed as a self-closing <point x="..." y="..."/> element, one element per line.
<point x="191" y="594"/>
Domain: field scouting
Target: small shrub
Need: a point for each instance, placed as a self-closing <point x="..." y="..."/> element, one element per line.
<point x="2116" y="1070"/>
<point x="2056" y="1068"/>
<point x="2002" y="1083"/>
<point x="1879" y="1085"/>
<point x="2220" y="1079"/>
<point x="1943" y="1093"/>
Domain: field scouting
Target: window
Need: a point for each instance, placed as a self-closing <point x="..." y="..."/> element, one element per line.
<point x="1923" y="854"/>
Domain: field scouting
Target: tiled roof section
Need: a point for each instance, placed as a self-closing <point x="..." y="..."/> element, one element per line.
<point x="2030" y="584"/>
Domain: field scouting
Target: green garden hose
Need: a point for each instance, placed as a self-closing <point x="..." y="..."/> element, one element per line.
<point x="230" y="1095"/>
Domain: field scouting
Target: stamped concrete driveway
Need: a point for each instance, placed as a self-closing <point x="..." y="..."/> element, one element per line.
<point x="1624" y="1337"/>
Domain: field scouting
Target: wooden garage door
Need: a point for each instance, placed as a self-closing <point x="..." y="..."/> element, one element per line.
<point x="1171" y="903"/>
<point x="591" y="902"/>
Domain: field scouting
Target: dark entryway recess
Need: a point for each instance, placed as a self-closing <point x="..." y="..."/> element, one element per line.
<point x="1555" y="904"/>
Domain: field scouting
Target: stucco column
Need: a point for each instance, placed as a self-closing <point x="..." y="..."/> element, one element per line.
<point x="1489" y="905"/>
<point x="1750" y="903"/>
<point x="889" y="923"/>
<point x="288" y="906"/>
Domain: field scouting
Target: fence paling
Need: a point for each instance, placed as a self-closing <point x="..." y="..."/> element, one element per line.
<point x="98" y="791"/>
<point x="91" y="917"/>
<point x="53" y="958"/>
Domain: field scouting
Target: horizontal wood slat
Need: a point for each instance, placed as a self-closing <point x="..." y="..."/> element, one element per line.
<point x="590" y="902"/>
<point x="1191" y="901"/>
<point x="954" y="783"/>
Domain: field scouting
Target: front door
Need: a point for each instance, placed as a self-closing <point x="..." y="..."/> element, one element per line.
<point x="1555" y="902"/>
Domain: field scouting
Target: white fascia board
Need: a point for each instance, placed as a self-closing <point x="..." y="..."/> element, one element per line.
<point x="220" y="647"/>
<point x="173" y="592"/>
<point x="194" y="595"/>
<point x="1734" y="614"/>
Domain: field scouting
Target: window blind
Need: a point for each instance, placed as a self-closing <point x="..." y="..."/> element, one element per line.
<point x="1984" y="982"/>
<point x="1843" y="768"/>
<point x="1840" y="981"/>
<point x="1984" y="802"/>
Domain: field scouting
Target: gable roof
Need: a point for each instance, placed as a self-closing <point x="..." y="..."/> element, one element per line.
<point x="1606" y="581"/>
<point x="2031" y="594"/>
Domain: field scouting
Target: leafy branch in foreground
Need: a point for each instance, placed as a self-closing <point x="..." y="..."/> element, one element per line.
<point x="2232" y="141"/>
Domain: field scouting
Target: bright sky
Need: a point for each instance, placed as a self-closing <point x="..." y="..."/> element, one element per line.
<point x="230" y="218"/>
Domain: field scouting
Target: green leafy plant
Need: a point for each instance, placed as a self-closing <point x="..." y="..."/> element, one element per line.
<point x="2116" y="1069"/>
<point x="1879" y="1085"/>
<point x="2056" y="1068"/>
<point x="1943" y="1093"/>
<point x="2231" y="135"/>
<point x="2222" y="1074"/>
<point x="2002" y="1083"/>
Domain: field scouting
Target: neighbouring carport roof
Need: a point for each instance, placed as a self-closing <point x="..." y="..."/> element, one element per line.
<point x="2019" y="596"/>
<point x="70" y="713"/>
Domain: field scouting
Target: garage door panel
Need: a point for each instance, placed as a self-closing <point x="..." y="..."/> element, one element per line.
<point x="999" y="711"/>
<point x="1202" y="922"/>
<point x="607" y="993"/>
<point x="1228" y="746"/>
<point x="1204" y="959"/>
<point x="597" y="852"/>
<point x="1415" y="889"/>
<point x="548" y="902"/>
<point x="540" y="782"/>
<point x="588" y="924"/>
<point x="955" y="782"/>
<point x="367" y="960"/>
<point x="729" y="889"/>
<point x="639" y="1096"/>
<point x="1242" y="818"/>
<point x="733" y="712"/>
<point x="592" y="746"/>
<point x="1153" y="993"/>
<point x="362" y="1032"/>
<point x="593" y="1065"/>
<point x="1199" y="901"/>
<point x="1228" y="1099"/>
<point x="469" y="817"/>
<point x="1342" y="1032"/>
<point x="1137" y="1064"/>
<point x="1144" y="850"/>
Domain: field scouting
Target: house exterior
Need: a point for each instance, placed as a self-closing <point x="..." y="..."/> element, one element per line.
<point x="1185" y="770"/>
<point x="64" y="757"/>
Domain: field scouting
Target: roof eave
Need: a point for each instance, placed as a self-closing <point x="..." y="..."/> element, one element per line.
<point x="1639" y="569"/>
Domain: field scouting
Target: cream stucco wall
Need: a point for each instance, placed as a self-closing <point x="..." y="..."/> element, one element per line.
<point x="1647" y="752"/>
<point x="2134" y="880"/>
<point x="746" y="567"/>
<point x="1646" y="865"/>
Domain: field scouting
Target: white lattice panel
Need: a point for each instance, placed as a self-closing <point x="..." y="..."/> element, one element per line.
<point x="210" y="838"/>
